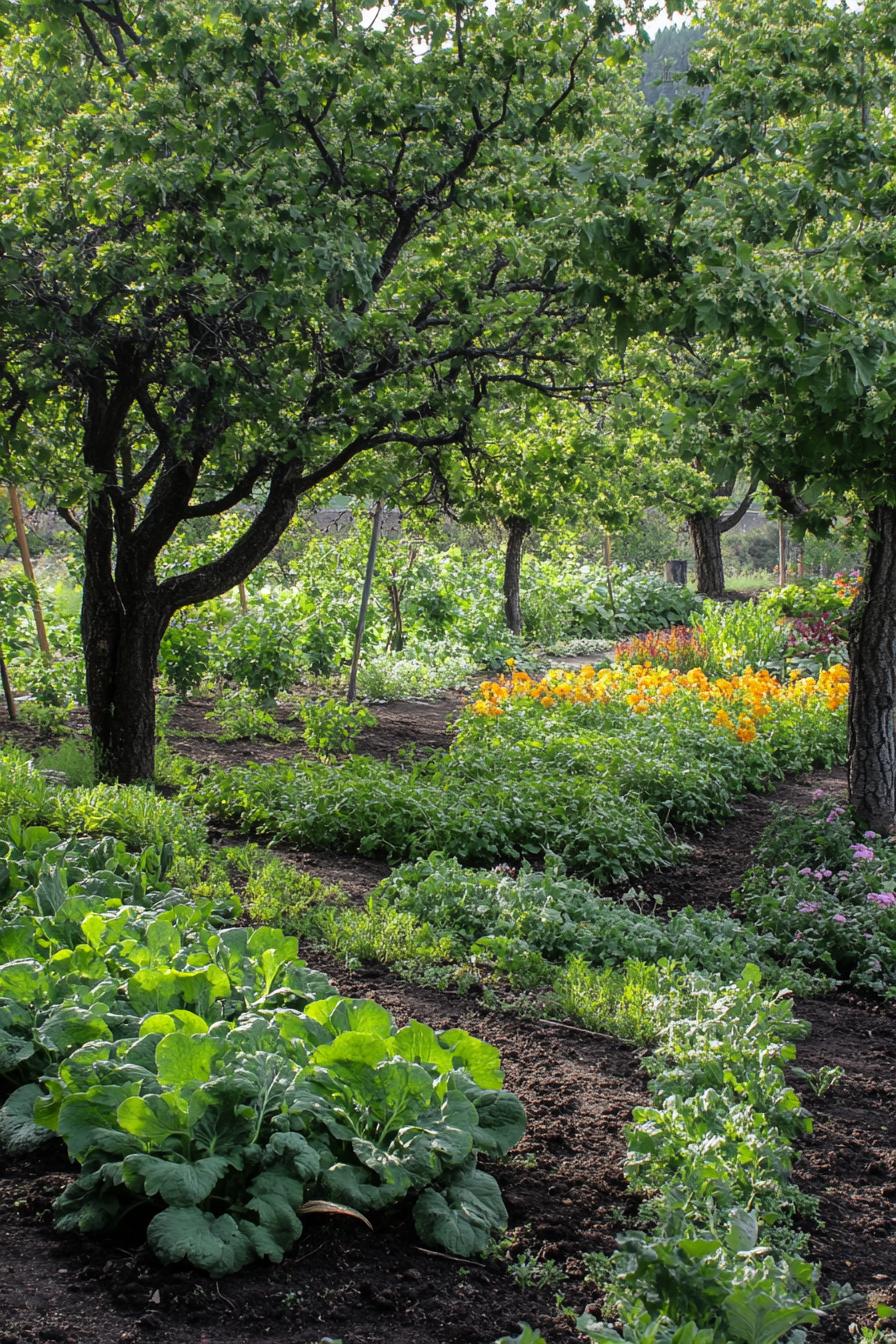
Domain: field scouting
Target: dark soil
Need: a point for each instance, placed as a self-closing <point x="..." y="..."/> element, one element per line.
<point x="418" y="726"/>
<point x="564" y="1189"/>
<point x="849" y="1161"/>
<point x="721" y="854"/>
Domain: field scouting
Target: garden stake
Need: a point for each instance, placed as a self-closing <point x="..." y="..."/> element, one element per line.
<point x="7" y="688"/>
<point x="365" y="599"/>
<point x="22" y="538"/>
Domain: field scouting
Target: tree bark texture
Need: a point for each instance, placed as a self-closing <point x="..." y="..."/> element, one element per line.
<point x="517" y="531"/>
<point x="872" y="688"/>
<point x="706" y="537"/>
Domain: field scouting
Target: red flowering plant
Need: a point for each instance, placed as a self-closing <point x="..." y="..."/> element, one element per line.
<point x="681" y="647"/>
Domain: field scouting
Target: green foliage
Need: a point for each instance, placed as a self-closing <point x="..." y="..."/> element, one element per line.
<point x="413" y="673"/>
<point x="476" y="807"/>
<point x="277" y="892"/>
<point x="135" y="815"/>
<point x="502" y="915"/>
<point x="16" y="621"/>
<point x="592" y="783"/>
<point x="621" y="1001"/>
<point x="259" y="652"/>
<point x="239" y="714"/>
<point x="827" y="891"/>
<point x="332" y="727"/>
<point x="736" y="635"/>
<point x="720" y="1260"/>
<point x="205" y="1073"/>
<point x="377" y="932"/>
<point x="73" y="758"/>
<point x="185" y="656"/>
<point x="526" y="1336"/>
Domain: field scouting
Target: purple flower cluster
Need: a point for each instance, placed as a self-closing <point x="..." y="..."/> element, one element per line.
<point x="861" y="853"/>
<point x="882" y="898"/>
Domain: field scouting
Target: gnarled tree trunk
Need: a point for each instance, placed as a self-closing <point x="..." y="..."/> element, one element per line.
<point x="706" y="537"/>
<point x="122" y="624"/>
<point x="517" y="531"/>
<point x="872" y="688"/>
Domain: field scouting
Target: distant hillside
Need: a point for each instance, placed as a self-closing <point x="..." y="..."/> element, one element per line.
<point x="667" y="57"/>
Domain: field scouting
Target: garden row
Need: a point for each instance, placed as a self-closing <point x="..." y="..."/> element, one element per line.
<point x="591" y="766"/>
<point x="299" y="628"/>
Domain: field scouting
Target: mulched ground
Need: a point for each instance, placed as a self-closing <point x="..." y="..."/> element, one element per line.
<point x="564" y="1187"/>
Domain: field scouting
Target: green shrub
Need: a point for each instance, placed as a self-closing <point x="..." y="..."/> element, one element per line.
<point x="332" y="727"/>
<point x="239" y="714"/>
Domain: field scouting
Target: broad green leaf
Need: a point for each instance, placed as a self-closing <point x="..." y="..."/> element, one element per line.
<point x="462" y="1218"/>
<point x="183" y="1059"/>
<point x="214" y="1244"/>
<point x="179" y="1183"/>
<point x="18" y="1131"/>
<point x="482" y="1061"/>
<point x="154" y="1118"/>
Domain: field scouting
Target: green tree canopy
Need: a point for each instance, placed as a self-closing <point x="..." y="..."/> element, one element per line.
<point x="245" y="242"/>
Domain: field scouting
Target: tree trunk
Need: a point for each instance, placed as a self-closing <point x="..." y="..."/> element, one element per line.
<point x="121" y="650"/>
<point x="872" y="689"/>
<point x="706" y="536"/>
<point x="123" y="619"/>
<point x="517" y="531"/>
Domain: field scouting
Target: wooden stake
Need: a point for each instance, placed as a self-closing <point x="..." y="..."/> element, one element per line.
<point x="7" y="688"/>
<point x="22" y="538"/>
<point x="608" y="556"/>
<point x="365" y="600"/>
<point x="782" y="554"/>
<point x="244" y="600"/>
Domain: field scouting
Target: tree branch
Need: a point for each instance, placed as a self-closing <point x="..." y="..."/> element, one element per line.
<point x="235" y="495"/>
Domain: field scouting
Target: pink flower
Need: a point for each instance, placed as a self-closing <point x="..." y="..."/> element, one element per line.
<point x="860" y="852"/>
<point x="797" y="936"/>
<point x="835" y="814"/>
<point x="805" y="872"/>
<point x="839" y="919"/>
<point x="817" y="795"/>
<point x="882" y="898"/>
<point x="871" y="835"/>
<point x="807" y="907"/>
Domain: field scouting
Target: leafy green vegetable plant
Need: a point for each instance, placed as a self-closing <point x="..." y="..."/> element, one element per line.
<point x="332" y="727"/>
<point x="204" y="1073"/>
<point x="720" y="1262"/>
<point x="238" y="713"/>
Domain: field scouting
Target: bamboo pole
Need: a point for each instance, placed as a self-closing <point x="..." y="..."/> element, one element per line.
<point x="365" y="601"/>
<point x="7" y="688"/>
<point x="18" y="519"/>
